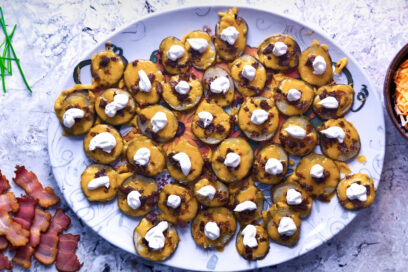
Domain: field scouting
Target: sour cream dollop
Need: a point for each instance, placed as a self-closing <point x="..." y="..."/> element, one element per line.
<point x="329" y="102"/>
<point x="142" y="156"/>
<point x="207" y="191"/>
<point x="357" y="191"/>
<point x="205" y="117"/>
<point x="155" y="236"/>
<point x="287" y="226"/>
<point x="182" y="87"/>
<point x="293" y="95"/>
<point x="158" y="121"/>
<point x="99" y="182"/>
<point x="119" y="102"/>
<point x="173" y="201"/>
<point x="70" y="115"/>
<point x="133" y="200"/>
<point x="175" y="52"/>
<point x="293" y="197"/>
<point x="245" y="206"/>
<point x="334" y="133"/>
<point x="317" y="171"/>
<point x="249" y="233"/>
<point x="198" y="44"/>
<point x="273" y="167"/>
<point x="104" y="141"/>
<point x="220" y="85"/>
<point x="296" y="132"/>
<point x="144" y="82"/>
<point x="249" y="72"/>
<point x="319" y="65"/>
<point x="229" y="35"/>
<point x="232" y="160"/>
<point x="212" y="231"/>
<point x="184" y="161"/>
<point x="279" y="49"/>
<point x="259" y="116"/>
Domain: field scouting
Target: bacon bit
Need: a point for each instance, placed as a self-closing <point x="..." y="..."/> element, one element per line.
<point x="8" y="202"/>
<point x="29" y="182"/>
<point x="13" y="231"/>
<point x="40" y="224"/>
<point x="4" y="184"/>
<point x="46" y="252"/>
<point x="23" y="256"/>
<point x="25" y="214"/>
<point x="3" y="243"/>
<point x="66" y="258"/>
<point x="5" y="262"/>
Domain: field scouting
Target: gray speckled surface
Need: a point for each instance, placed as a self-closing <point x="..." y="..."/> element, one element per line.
<point x="51" y="37"/>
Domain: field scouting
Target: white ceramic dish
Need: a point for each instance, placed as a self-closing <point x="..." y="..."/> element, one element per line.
<point x="138" y="40"/>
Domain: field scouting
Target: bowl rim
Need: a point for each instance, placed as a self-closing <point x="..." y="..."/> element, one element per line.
<point x="389" y="87"/>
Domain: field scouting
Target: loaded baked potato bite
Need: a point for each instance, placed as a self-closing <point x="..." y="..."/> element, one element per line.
<point x="271" y="164"/>
<point x="258" y="118"/>
<point x="201" y="48"/>
<point x="356" y="191"/>
<point x="279" y="52"/>
<point x="211" y="193"/>
<point x="155" y="239"/>
<point x="318" y="175"/>
<point x="75" y="111"/>
<point x="103" y="144"/>
<point x="315" y="65"/>
<point x="230" y="35"/>
<point x="184" y="161"/>
<point x="174" y="56"/>
<point x="177" y="204"/>
<point x="211" y="124"/>
<point x="333" y="101"/>
<point x="213" y="227"/>
<point x="106" y="68"/>
<point x="146" y="157"/>
<point x="157" y="123"/>
<point x="182" y="92"/>
<point x="99" y="183"/>
<point x="137" y="195"/>
<point x="115" y="106"/>
<point x="293" y="97"/>
<point x="282" y="224"/>
<point x="298" y="136"/>
<point x="339" y="139"/>
<point x="294" y="196"/>
<point x="252" y="242"/>
<point x="247" y="203"/>
<point x="249" y="75"/>
<point x="218" y="86"/>
<point x="232" y="159"/>
<point x="145" y="81"/>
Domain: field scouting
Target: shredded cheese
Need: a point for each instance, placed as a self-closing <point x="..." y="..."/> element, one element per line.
<point x="401" y="92"/>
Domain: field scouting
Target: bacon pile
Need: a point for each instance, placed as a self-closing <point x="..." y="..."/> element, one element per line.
<point x="32" y="231"/>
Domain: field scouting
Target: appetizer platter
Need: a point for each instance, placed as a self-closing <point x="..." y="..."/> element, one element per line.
<point x="236" y="136"/>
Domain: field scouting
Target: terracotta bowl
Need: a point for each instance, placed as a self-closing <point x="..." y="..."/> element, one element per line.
<point x="389" y="89"/>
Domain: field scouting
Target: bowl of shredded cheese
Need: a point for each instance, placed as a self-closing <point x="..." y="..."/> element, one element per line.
<point x="396" y="91"/>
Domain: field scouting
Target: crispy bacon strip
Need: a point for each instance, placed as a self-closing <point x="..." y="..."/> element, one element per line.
<point x="5" y="262"/>
<point x="40" y="224"/>
<point x="13" y="231"/>
<point x="67" y="260"/>
<point x="29" y="182"/>
<point x="4" y="184"/>
<point x="46" y="252"/>
<point x="3" y="243"/>
<point x="8" y="202"/>
<point x="25" y="214"/>
<point x="23" y="256"/>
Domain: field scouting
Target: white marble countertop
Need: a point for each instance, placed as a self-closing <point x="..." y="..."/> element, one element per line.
<point x="51" y="37"/>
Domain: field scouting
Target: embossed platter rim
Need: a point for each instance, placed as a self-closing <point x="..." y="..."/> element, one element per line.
<point x="138" y="40"/>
